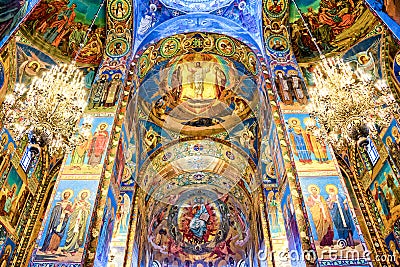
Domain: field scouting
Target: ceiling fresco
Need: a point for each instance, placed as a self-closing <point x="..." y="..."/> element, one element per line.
<point x="239" y="15"/>
<point x="60" y="26"/>
<point x="198" y="94"/>
<point x="193" y="156"/>
<point x="336" y="25"/>
<point x="200" y="227"/>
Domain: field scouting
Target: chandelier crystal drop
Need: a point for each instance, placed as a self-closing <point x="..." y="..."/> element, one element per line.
<point x="49" y="108"/>
<point x="348" y="103"/>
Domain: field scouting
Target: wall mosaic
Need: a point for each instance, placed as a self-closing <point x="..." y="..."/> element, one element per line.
<point x="60" y="27"/>
<point x="65" y="226"/>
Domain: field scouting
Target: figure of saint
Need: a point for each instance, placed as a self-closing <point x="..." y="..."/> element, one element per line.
<point x="276" y="7"/>
<point x="8" y="10"/>
<point x="299" y="140"/>
<point x="6" y="256"/>
<point x="79" y="154"/>
<point x="395" y="252"/>
<point x="148" y="20"/>
<point x="176" y="83"/>
<point x="76" y="38"/>
<point x="91" y="53"/>
<point x="97" y="92"/>
<point x="111" y="94"/>
<point x="77" y="223"/>
<point x="5" y="153"/>
<point x="198" y="224"/>
<point x="89" y="77"/>
<point x="198" y="76"/>
<point x="317" y="147"/>
<point x="319" y="211"/>
<point x="98" y="144"/>
<point x="57" y="223"/>
<point x="220" y="82"/>
<point x="7" y="201"/>
<point x="341" y="215"/>
<point x="396" y="135"/>
<point x="58" y="28"/>
<point x="278" y="46"/>
<point x="283" y="88"/>
<point x="394" y="151"/>
<point x="395" y="189"/>
<point x="118" y="11"/>
<point x="380" y="195"/>
<point x="297" y="86"/>
<point x="117" y="49"/>
<point x="273" y="211"/>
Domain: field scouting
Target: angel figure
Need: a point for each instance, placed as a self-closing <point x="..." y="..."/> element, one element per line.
<point x="246" y="138"/>
<point x="151" y="139"/>
<point x="29" y="66"/>
<point x="365" y="61"/>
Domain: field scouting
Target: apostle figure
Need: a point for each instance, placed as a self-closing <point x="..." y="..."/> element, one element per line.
<point x="7" y="201"/>
<point x="77" y="223"/>
<point x="341" y="215"/>
<point x="98" y="91"/>
<point x="220" y="82"/>
<point x="317" y="147"/>
<point x="176" y="83"/>
<point x="198" y="76"/>
<point x="76" y="38"/>
<point x="58" y="29"/>
<point x="297" y="87"/>
<point x="276" y="7"/>
<point x="118" y="11"/>
<point x="111" y="94"/>
<point x="380" y="195"/>
<point x="57" y="223"/>
<point x="98" y="144"/>
<point x="394" y="151"/>
<point x="395" y="189"/>
<point x="5" y="257"/>
<point x="282" y="85"/>
<point x="319" y="211"/>
<point x="297" y="136"/>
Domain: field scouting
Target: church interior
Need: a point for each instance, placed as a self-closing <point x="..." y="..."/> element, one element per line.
<point x="187" y="133"/>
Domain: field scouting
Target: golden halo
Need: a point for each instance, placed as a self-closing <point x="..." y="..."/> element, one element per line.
<point x="9" y="248"/>
<point x="293" y="72"/>
<point x="389" y="139"/>
<point x="116" y="74"/>
<point x="392" y="245"/>
<point x="398" y="59"/>
<point x="10" y="147"/>
<point x="363" y="56"/>
<point x="291" y="120"/>
<point x="279" y="71"/>
<point x="84" y="191"/>
<point x="70" y="191"/>
<point x="331" y="186"/>
<point x="4" y="136"/>
<point x="313" y="186"/>
<point x="103" y="123"/>
<point x="395" y="131"/>
<point x="33" y="62"/>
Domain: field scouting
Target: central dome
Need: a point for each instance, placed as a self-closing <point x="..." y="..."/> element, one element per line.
<point x="188" y="6"/>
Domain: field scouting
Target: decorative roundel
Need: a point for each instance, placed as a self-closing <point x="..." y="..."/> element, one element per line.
<point x="252" y="62"/>
<point x="167" y="156"/>
<point x="118" y="47"/>
<point x="230" y="155"/>
<point x="275" y="8"/>
<point x="169" y="47"/>
<point x="144" y="64"/>
<point x="242" y="5"/>
<point x="396" y="68"/>
<point x="277" y="44"/>
<point x="119" y="9"/>
<point x="2" y="76"/>
<point x="225" y="46"/>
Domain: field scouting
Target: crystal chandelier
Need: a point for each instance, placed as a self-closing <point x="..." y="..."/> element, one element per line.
<point x="49" y="108"/>
<point x="347" y="103"/>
